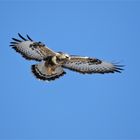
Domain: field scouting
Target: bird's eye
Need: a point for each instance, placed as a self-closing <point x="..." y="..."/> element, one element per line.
<point x="40" y="43"/>
<point x="58" y="59"/>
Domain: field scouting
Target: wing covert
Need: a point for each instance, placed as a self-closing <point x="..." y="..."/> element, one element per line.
<point x="91" y="65"/>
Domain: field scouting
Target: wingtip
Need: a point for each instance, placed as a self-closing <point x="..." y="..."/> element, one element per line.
<point x="22" y="37"/>
<point x="17" y="40"/>
<point x="119" y="68"/>
<point x="119" y="71"/>
<point x="12" y="45"/>
<point x="29" y="37"/>
<point x="13" y="42"/>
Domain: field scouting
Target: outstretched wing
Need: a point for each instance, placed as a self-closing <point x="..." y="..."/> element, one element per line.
<point x="42" y="71"/>
<point x="31" y="50"/>
<point x="91" y="65"/>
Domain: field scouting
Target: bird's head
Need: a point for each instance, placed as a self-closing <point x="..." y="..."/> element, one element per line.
<point x="40" y="43"/>
<point x="62" y="56"/>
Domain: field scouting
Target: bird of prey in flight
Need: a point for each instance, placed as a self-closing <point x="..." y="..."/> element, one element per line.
<point x="52" y="64"/>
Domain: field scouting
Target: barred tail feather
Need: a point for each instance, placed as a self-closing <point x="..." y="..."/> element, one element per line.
<point x="41" y="73"/>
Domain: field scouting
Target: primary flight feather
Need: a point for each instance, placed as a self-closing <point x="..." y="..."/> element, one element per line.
<point x="53" y="63"/>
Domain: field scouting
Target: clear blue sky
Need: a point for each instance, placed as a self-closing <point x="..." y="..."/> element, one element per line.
<point x="75" y="106"/>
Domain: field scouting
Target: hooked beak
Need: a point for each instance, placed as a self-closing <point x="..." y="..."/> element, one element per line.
<point x="68" y="57"/>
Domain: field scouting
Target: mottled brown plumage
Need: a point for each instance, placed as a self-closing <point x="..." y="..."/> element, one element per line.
<point x="52" y="63"/>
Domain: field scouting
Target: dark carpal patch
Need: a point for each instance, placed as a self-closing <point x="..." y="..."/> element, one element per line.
<point x="92" y="61"/>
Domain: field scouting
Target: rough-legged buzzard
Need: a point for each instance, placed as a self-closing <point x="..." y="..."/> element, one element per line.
<point x="52" y="64"/>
